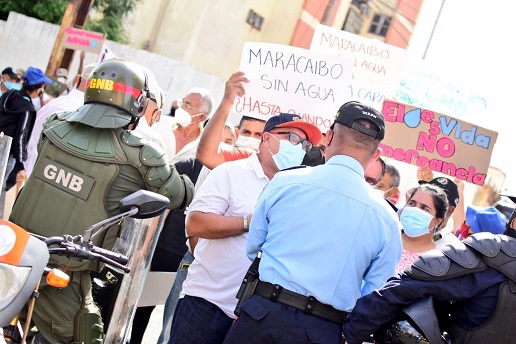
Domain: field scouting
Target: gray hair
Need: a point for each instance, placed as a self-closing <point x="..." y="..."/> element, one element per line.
<point x="394" y="173"/>
<point x="206" y="99"/>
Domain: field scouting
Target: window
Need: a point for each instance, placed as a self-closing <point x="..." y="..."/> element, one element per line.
<point x="353" y="22"/>
<point x="380" y="25"/>
<point x="255" y="20"/>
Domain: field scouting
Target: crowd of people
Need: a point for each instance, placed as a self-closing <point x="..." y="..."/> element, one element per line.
<point x="342" y="253"/>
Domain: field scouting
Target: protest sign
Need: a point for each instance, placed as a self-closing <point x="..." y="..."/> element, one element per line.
<point x="79" y="39"/>
<point x="444" y="144"/>
<point x="56" y="88"/>
<point x="377" y="67"/>
<point x="421" y="86"/>
<point x="295" y="80"/>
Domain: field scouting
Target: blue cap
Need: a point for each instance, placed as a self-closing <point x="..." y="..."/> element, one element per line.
<point x="488" y="219"/>
<point x="35" y="76"/>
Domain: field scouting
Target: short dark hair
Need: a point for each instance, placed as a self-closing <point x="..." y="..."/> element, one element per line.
<point x="247" y="118"/>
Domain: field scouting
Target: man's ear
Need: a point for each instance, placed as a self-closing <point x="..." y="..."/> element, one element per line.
<point x="377" y="154"/>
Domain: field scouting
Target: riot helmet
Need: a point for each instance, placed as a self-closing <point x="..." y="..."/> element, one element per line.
<point x="117" y="94"/>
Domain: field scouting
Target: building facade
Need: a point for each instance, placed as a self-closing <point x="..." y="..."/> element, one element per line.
<point x="209" y="35"/>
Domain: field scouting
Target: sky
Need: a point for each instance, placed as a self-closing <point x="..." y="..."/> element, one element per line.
<point x="472" y="46"/>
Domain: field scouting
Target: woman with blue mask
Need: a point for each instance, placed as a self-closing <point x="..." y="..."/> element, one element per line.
<point x="421" y="216"/>
<point x="424" y="212"/>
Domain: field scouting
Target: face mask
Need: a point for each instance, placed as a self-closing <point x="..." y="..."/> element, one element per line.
<point x="12" y="85"/>
<point x="313" y="157"/>
<point x="183" y="118"/>
<point x="247" y="142"/>
<point x="415" y="221"/>
<point x="289" y="155"/>
<point x="378" y="191"/>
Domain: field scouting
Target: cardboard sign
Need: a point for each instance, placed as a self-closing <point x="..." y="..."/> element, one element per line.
<point x="377" y="67"/>
<point x="294" y="80"/>
<point x="444" y="144"/>
<point x="55" y="89"/>
<point x="78" y="39"/>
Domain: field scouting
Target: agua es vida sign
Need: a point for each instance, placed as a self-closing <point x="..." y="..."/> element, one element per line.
<point x="442" y="143"/>
<point x="78" y="39"/>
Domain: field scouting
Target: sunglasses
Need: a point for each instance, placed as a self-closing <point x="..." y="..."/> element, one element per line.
<point x="295" y="139"/>
<point x="371" y="181"/>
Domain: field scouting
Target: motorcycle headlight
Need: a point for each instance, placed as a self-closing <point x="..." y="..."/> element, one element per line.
<point x="23" y="259"/>
<point x="14" y="278"/>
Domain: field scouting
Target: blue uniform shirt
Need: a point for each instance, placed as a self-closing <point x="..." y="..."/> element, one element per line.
<point x="323" y="231"/>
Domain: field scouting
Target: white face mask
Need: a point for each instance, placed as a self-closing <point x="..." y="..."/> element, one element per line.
<point x="247" y="142"/>
<point x="379" y="192"/>
<point x="183" y="118"/>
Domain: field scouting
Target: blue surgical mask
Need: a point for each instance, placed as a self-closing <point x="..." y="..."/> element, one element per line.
<point x="415" y="221"/>
<point x="12" y="85"/>
<point x="289" y="155"/>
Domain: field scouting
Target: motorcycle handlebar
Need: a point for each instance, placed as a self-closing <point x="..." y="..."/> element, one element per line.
<point x="75" y="247"/>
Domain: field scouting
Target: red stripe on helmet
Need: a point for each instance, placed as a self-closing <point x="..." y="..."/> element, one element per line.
<point x="110" y="85"/>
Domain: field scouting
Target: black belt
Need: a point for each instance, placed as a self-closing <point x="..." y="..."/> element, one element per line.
<point x="308" y="304"/>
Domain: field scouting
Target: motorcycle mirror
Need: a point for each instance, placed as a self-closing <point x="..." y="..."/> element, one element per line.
<point x="148" y="203"/>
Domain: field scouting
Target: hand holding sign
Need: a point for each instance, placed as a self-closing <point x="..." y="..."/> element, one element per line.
<point x="293" y="80"/>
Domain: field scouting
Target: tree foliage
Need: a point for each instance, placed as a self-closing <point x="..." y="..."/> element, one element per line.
<point x="106" y="16"/>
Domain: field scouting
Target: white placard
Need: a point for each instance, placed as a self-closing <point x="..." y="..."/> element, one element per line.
<point x="377" y="67"/>
<point x="289" y="79"/>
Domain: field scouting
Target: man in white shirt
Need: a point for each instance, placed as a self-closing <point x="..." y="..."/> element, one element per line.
<point x="181" y="133"/>
<point x="70" y="102"/>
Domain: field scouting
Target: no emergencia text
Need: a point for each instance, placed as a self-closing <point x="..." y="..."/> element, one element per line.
<point x="430" y="142"/>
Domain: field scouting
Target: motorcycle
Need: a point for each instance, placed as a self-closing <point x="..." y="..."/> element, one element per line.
<point x="24" y="258"/>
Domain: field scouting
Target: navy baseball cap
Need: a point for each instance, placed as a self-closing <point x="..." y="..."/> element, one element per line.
<point x="352" y="111"/>
<point x="313" y="133"/>
<point x="35" y="76"/>
<point x="449" y="187"/>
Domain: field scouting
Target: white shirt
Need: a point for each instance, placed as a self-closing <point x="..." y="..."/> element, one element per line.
<point x="166" y="127"/>
<point x="447" y="236"/>
<point x="70" y="102"/>
<point x="150" y="134"/>
<point x="231" y="189"/>
<point x="36" y="101"/>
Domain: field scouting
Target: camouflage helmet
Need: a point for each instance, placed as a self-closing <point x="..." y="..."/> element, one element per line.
<point x="116" y="94"/>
